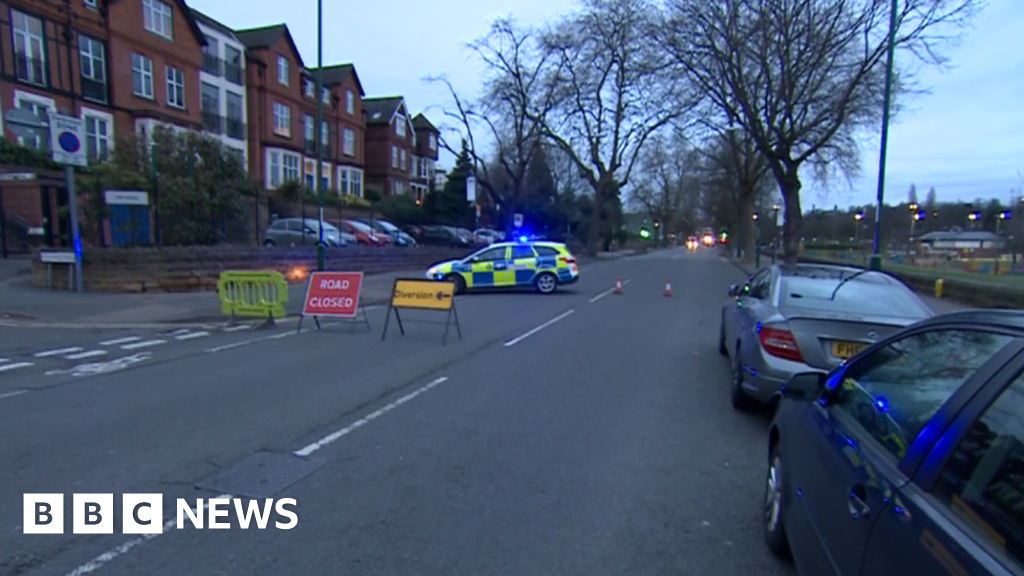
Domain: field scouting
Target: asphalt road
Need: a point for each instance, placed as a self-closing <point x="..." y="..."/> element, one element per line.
<point x="584" y="432"/>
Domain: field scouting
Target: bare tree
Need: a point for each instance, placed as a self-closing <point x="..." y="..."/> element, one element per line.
<point x="515" y="97"/>
<point x="612" y="94"/>
<point x="912" y="194"/>
<point x="667" y="187"/>
<point x="801" y="77"/>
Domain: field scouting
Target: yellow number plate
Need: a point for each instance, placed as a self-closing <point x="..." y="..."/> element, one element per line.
<point x="847" y="350"/>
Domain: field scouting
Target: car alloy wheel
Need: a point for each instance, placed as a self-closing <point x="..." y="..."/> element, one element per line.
<point x="547" y="283"/>
<point x="774" y="528"/>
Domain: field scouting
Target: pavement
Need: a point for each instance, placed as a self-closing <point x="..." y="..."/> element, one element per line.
<point x="584" y="432"/>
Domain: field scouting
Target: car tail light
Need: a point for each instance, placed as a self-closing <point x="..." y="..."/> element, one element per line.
<point x="779" y="342"/>
<point x="567" y="259"/>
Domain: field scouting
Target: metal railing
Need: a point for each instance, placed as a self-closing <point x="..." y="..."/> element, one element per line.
<point x="213" y="64"/>
<point x="213" y="122"/>
<point x="234" y="74"/>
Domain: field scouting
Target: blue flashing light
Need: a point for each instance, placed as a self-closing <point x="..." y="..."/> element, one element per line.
<point x="882" y="404"/>
<point x="759" y="327"/>
<point x="524" y="239"/>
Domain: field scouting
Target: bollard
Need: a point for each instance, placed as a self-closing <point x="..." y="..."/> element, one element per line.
<point x="939" y="284"/>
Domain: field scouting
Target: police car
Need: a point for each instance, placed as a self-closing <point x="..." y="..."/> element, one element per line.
<point x="542" y="265"/>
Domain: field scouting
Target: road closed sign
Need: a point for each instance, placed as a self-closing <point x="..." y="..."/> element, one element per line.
<point x="333" y="294"/>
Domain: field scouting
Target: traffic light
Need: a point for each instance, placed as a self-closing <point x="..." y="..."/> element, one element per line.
<point x="645" y="233"/>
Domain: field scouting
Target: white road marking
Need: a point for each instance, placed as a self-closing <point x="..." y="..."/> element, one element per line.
<point x="608" y="291"/>
<point x="251" y="341"/>
<point x="522" y="337"/>
<point x="98" y="562"/>
<point x="15" y="366"/>
<point x="145" y="344"/>
<point x="12" y="393"/>
<point x="237" y="328"/>
<point x="334" y="436"/>
<point x="117" y="341"/>
<point x="94" y="368"/>
<point x="88" y="354"/>
<point x="191" y="335"/>
<point x="58" y="351"/>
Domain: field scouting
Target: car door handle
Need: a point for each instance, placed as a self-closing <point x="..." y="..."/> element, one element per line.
<point x="858" y="507"/>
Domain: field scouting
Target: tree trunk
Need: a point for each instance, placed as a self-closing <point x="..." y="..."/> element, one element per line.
<point x="594" y="233"/>
<point x="793" y="222"/>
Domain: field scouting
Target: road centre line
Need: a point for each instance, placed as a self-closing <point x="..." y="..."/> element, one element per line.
<point x="145" y="344"/>
<point x="237" y="328"/>
<point x="58" y="351"/>
<point x="12" y="393"/>
<point x="98" y="562"/>
<point x="191" y="335"/>
<point x="15" y="366"/>
<point x="88" y="354"/>
<point x="117" y="341"/>
<point x="608" y="291"/>
<point x="522" y="337"/>
<point x="334" y="436"/>
<point x="251" y="341"/>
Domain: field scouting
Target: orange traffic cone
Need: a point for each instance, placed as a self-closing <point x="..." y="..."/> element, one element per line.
<point x="618" y="285"/>
<point x="668" y="288"/>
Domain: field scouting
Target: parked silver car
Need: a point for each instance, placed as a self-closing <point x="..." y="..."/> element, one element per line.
<point x="299" y="231"/>
<point x="786" y="320"/>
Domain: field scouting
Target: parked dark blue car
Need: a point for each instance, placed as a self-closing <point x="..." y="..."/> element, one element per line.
<point x="908" y="459"/>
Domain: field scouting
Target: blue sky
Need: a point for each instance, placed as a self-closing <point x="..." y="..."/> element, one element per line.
<point x="965" y="138"/>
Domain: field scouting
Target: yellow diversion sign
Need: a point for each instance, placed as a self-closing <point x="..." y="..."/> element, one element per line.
<point x="423" y="294"/>
<point x="435" y="295"/>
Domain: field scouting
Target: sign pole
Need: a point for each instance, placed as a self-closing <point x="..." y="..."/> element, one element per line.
<point x="76" y="238"/>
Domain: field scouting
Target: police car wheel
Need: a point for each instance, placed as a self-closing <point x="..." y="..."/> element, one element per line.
<point x="460" y="283"/>
<point x="774" y="526"/>
<point x="546" y="283"/>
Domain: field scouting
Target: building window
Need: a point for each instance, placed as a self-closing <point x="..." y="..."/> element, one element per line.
<point x="404" y="162"/>
<point x="233" y="64"/>
<point x="400" y="125"/>
<point x="209" y="106"/>
<point x="211" y="56"/>
<point x="394" y="156"/>
<point x="310" y="88"/>
<point x="175" y="87"/>
<point x="282" y="120"/>
<point x="90" y="3"/>
<point x="325" y="135"/>
<point x="326" y="96"/>
<point x="343" y="180"/>
<point x="29" y="52"/>
<point x="98" y="132"/>
<point x="92" y="58"/>
<point x="274" y="168"/>
<point x="350" y="142"/>
<point x="158" y="18"/>
<point x="307" y="128"/>
<point x="42" y="108"/>
<point x="433" y="142"/>
<point x="142" y="76"/>
<point x="235" y="116"/>
<point x="350" y="102"/>
<point x="355" y="182"/>
<point x="282" y="70"/>
<point x="291" y="167"/>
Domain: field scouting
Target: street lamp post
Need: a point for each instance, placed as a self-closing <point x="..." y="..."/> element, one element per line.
<point x="857" y="217"/>
<point x="757" y="241"/>
<point x="913" y="220"/>
<point x="876" y="257"/>
<point x="320" y="263"/>
<point x="775" y="231"/>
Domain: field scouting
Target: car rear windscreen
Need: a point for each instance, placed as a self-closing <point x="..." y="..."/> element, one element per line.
<point x="866" y="296"/>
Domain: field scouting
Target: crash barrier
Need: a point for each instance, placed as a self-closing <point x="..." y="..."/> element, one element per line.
<point x="417" y="294"/>
<point x="333" y="294"/>
<point x="252" y="294"/>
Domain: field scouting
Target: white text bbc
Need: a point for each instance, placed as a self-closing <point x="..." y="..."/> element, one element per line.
<point x="144" y="513"/>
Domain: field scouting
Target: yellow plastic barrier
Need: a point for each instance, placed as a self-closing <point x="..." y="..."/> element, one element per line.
<point x="256" y="294"/>
<point x="939" y="285"/>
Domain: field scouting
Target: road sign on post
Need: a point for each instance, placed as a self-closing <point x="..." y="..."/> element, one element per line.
<point x="416" y="294"/>
<point x="517" y="219"/>
<point x="67" y="140"/>
<point x="333" y="294"/>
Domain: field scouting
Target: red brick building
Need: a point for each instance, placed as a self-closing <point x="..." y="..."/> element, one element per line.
<point x="282" y="115"/>
<point x="426" y="154"/>
<point x="398" y="150"/>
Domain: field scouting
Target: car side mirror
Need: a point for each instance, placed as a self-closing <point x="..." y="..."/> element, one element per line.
<point x="734" y="290"/>
<point x="804" y="386"/>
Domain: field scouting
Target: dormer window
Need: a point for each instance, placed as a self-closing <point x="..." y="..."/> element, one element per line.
<point x="400" y="125"/>
<point x="310" y="88"/>
<point x="433" y="143"/>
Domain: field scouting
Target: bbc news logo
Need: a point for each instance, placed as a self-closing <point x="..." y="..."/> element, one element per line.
<point x="144" y="513"/>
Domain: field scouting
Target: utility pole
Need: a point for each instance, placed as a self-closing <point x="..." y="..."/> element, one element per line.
<point x="876" y="256"/>
<point x="320" y="264"/>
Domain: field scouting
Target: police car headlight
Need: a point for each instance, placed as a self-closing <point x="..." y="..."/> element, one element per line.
<point x="432" y="271"/>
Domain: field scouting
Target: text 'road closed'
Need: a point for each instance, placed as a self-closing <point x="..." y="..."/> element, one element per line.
<point x="333" y="294"/>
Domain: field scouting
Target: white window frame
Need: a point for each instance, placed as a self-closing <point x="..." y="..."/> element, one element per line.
<point x="142" y="66"/>
<point x="282" y="119"/>
<point x="308" y="124"/>
<point x="51" y="108"/>
<point x="404" y="162"/>
<point x="176" y="87"/>
<point x="400" y="125"/>
<point x="394" y="156"/>
<point x="274" y="169"/>
<point x="355" y="182"/>
<point x="343" y="181"/>
<point x="325" y="134"/>
<point x="350" y="142"/>
<point x="286" y="166"/>
<point x="310" y="88"/>
<point x="97" y="62"/>
<point x="433" y="142"/>
<point x="283" y="70"/>
<point x="33" y="46"/>
<point x="108" y="138"/>
<point x="158" y="18"/>
<point x="350" y="101"/>
<point x="325" y="95"/>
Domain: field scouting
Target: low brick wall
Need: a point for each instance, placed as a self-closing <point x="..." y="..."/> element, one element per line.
<point x="190" y="269"/>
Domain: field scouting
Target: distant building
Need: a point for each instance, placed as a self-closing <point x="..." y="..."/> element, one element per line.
<point x="440" y="178"/>
<point x="966" y="240"/>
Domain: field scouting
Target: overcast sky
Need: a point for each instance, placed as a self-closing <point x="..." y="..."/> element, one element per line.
<point x="965" y="138"/>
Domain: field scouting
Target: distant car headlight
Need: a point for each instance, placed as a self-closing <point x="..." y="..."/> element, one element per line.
<point x="433" y="271"/>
